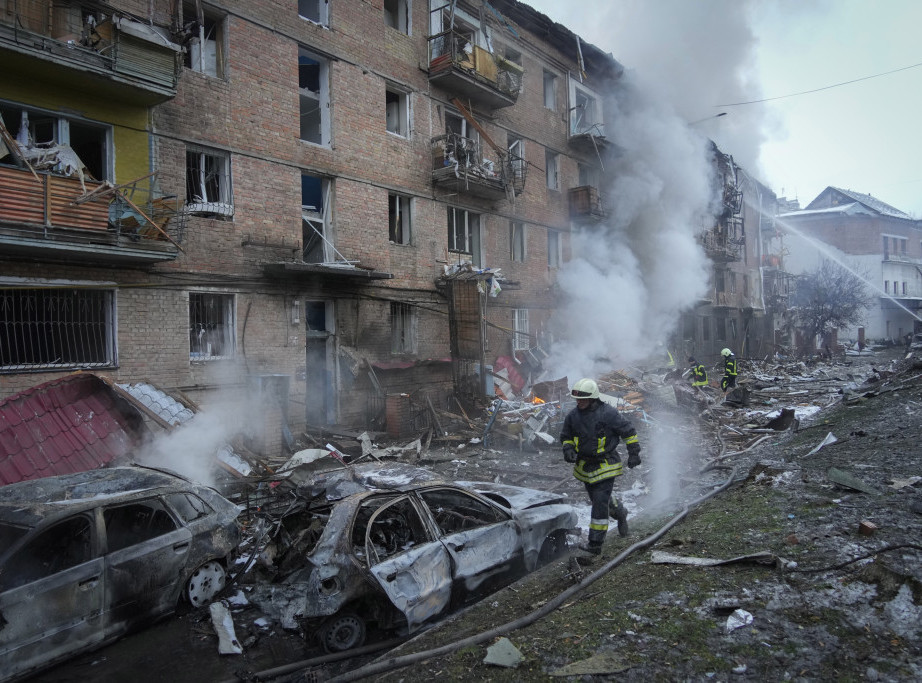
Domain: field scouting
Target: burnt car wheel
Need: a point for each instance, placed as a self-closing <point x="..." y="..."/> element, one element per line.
<point x="554" y="546"/>
<point x="205" y="582"/>
<point x="342" y="632"/>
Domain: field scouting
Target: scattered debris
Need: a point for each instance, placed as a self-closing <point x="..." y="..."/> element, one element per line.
<point x="738" y="619"/>
<point x="503" y="653"/>
<point x="829" y="439"/>
<point x="223" y="625"/>
<point x="850" y="481"/>
<point x="661" y="557"/>
<point x="866" y="528"/>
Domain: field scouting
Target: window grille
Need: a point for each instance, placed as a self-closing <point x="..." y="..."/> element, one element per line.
<point x="403" y="328"/>
<point x="56" y="328"/>
<point x="211" y="326"/>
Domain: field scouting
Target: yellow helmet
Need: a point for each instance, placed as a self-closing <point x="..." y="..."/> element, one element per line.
<point x="726" y="352"/>
<point x="585" y="388"/>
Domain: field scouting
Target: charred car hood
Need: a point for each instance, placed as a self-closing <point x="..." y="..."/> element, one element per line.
<point x="514" y="497"/>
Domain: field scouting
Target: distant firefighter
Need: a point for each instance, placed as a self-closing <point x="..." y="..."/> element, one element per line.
<point x="728" y="381"/>
<point x="699" y="375"/>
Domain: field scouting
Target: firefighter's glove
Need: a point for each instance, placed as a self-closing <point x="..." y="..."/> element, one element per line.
<point x="633" y="455"/>
<point x="569" y="453"/>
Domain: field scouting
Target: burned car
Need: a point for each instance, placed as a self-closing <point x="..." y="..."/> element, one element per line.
<point x="396" y="546"/>
<point x="86" y="557"/>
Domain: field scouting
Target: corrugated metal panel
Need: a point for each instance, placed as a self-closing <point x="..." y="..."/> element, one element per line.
<point x="142" y="59"/>
<point x="23" y="200"/>
<point x="92" y="215"/>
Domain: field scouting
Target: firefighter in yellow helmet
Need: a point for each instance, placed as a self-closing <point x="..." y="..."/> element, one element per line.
<point x="699" y="376"/>
<point x="589" y="436"/>
<point x="728" y="381"/>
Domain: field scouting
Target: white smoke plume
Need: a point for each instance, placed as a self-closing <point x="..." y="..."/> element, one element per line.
<point x="629" y="279"/>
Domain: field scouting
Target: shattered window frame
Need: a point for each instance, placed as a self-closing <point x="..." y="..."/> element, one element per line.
<point x="211" y="60"/>
<point x="212" y="326"/>
<point x="137" y="522"/>
<point x="398" y="15"/>
<point x="517" y="241"/>
<point x="314" y="90"/>
<point x="400" y="218"/>
<point x="489" y="513"/>
<point x="550" y="90"/>
<point x="64" y="545"/>
<point x="404" y="328"/>
<point x="90" y="140"/>
<point x="57" y="327"/>
<point x="315" y="11"/>
<point x="418" y="526"/>
<point x="464" y="233"/>
<point x="208" y="183"/>
<point x="521" y="339"/>
<point x="552" y="169"/>
<point x="585" y="107"/>
<point x="397" y="112"/>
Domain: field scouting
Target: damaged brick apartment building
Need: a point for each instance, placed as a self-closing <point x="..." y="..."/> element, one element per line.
<point x="347" y="209"/>
<point x="331" y="202"/>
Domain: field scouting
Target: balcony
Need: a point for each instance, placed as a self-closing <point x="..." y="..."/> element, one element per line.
<point x="901" y="257"/>
<point x="50" y="217"/>
<point x="586" y="204"/>
<point x="471" y="72"/>
<point x="59" y="43"/>
<point x="720" y="247"/>
<point x="458" y="165"/>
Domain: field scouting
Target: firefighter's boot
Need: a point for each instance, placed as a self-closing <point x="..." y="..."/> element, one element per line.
<point x="618" y="512"/>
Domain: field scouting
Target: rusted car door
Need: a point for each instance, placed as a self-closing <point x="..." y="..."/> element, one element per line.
<point x="145" y="563"/>
<point x="412" y="568"/>
<point x="51" y="596"/>
<point x="484" y="542"/>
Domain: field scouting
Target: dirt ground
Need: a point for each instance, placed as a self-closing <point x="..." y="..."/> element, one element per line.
<point x="839" y="596"/>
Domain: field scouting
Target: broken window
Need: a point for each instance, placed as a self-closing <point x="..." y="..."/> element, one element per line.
<point x="61" y="547"/>
<point x="719" y="284"/>
<point x="314" y="97"/>
<point x="189" y="507"/>
<point x="550" y="91"/>
<point x="397" y="112"/>
<point x="397" y="15"/>
<point x="315" y="220"/>
<point x="886" y="286"/>
<point x="521" y="340"/>
<point x="205" y="50"/>
<point x="211" y="326"/>
<point x="128" y="525"/>
<point x="585" y="111"/>
<point x="551" y="162"/>
<point x="732" y="322"/>
<point x="746" y="286"/>
<point x="47" y="139"/>
<point x="394" y="528"/>
<point x="517" y="241"/>
<point x="464" y="233"/>
<point x="688" y="327"/>
<point x="732" y="282"/>
<point x="316" y="11"/>
<point x="588" y="175"/>
<point x="706" y="328"/>
<point x="456" y="511"/>
<point x="57" y="328"/>
<point x="399" y="218"/>
<point x="208" y="190"/>
<point x="403" y="328"/>
<point x="721" y="332"/>
<point x="553" y="248"/>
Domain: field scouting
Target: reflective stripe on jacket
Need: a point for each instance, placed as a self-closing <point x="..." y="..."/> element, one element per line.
<point x="591" y="471"/>
<point x="700" y="375"/>
<point x="730" y="366"/>
<point x="594" y="433"/>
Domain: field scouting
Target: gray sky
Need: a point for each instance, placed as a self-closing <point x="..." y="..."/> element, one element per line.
<point x="704" y="55"/>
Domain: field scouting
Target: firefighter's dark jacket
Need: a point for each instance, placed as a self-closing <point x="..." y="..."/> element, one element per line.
<point x="730" y="366"/>
<point x="595" y="432"/>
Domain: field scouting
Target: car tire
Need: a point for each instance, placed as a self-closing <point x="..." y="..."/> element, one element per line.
<point x="205" y="582"/>
<point x="554" y="546"/>
<point x="342" y="632"/>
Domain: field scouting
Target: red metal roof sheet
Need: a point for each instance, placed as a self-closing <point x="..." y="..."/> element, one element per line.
<point x="71" y="424"/>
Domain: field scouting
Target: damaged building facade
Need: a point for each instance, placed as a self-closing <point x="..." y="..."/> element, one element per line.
<point x="343" y="209"/>
<point x="749" y="286"/>
<point x="870" y="237"/>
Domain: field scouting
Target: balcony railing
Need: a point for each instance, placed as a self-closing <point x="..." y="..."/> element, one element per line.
<point x="54" y="217"/>
<point x="720" y="247"/>
<point x="458" y="163"/>
<point x="901" y="257"/>
<point x="98" y="53"/>
<point x="462" y="67"/>
<point x="586" y="204"/>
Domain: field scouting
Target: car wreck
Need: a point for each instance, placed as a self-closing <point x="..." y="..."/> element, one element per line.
<point x="87" y="557"/>
<point x="394" y="546"/>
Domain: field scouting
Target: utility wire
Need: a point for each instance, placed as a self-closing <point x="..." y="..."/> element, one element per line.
<point x="827" y="87"/>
